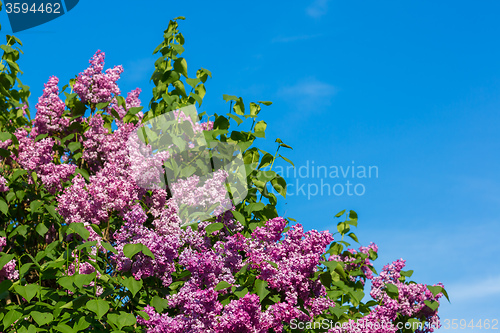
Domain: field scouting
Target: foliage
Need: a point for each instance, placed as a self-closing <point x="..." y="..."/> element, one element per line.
<point x="85" y="248"/>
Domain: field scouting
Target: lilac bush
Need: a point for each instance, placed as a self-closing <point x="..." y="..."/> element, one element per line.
<point x="84" y="246"/>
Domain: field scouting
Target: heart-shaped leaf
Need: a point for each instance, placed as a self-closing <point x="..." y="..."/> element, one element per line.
<point x="99" y="306"/>
<point x="42" y="318"/>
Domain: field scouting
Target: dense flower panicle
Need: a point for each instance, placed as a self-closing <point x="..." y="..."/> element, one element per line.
<point x="38" y="156"/>
<point x="93" y="85"/>
<point x="190" y="192"/>
<point x="409" y="303"/>
<point x="242" y="316"/>
<point x="75" y="204"/>
<point x="3" y="184"/>
<point x="164" y="248"/>
<point x="296" y="257"/>
<point x="50" y="108"/>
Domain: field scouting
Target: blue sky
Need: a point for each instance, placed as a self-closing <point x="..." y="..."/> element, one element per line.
<point x="410" y="87"/>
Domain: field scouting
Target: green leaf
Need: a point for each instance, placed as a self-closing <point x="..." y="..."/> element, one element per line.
<point x="229" y="97"/>
<point x="64" y="328"/>
<point x="180" y="66"/>
<point x="41" y="318"/>
<point x="109" y="247"/>
<point x="4" y="136"/>
<point x="52" y="211"/>
<point x="28" y="291"/>
<point x="98" y="306"/>
<point x="78" y="228"/>
<point x="81" y="280"/>
<point x="434" y="289"/>
<point x="132" y="285"/>
<point x="354" y="237"/>
<point x="326" y="279"/>
<point x="193" y="82"/>
<point x="4" y="208"/>
<point x="222" y="285"/>
<point x="254" y="109"/>
<point x="121" y="320"/>
<point x="214" y="227"/>
<point x="74" y="146"/>
<point x="261" y="289"/>
<point x="41" y="229"/>
<point x="5" y="285"/>
<point x="239" y="217"/>
<point x="129" y="250"/>
<point x="260" y="126"/>
<point x="286" y="159"/>
<point x="239" y="107"/>
<point x="340" y="214"/>
<point x="4" y="153"/>
<point x="11" y="317"/>
<point x="67" y="283"/>
<point x="353" y="218"/>
<point x="433" y="305"/>
<point x="267" y="103"/>
<point x="408" y="273"/>
<point x="235" y="118"/>
<point x="102" y="106"/>
<point x="391" y="290"/>
<point x="17" y="174"/>
<point x="159" y="304"/>
<point x="279" y="184"/>
<point x="35" y="205"/>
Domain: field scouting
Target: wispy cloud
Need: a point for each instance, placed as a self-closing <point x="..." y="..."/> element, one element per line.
<point x="487" y="287"/>
<point x="308" y="88"/>
<point x="318" y="8"/>
<point x="307" y="94"/>
<point x="289" y="39"/>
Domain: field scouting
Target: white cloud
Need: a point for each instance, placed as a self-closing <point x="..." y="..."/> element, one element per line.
<point x="318" y="8"/>
<point x="308" y="94"/>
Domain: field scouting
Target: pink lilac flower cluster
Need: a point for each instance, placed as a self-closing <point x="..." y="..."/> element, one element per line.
<point x="38" y="156"/>
<point x="296" y="256"/>
<point x="131" y="101"/>
<point x="191" y="193"/>
<point x="410" y="303"/>
<point x="93" y="85"/>
<point x="50" y="109"/>
<point x="9" y="270"/>
<point x="163" y="246"/>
